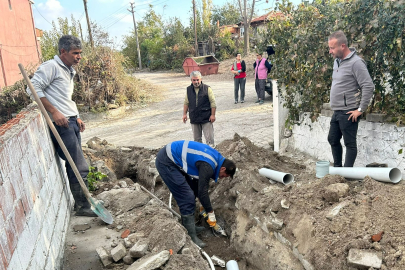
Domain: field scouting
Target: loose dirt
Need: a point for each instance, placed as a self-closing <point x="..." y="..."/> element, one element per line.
<point x="269" y="225"/>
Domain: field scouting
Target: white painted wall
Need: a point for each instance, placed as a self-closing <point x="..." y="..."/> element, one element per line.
<point x="35" y="202"/>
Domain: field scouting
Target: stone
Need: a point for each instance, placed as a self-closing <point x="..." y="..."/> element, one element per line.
<point x="126" y="149"/>
<point x="218" y="261"/>
<point x="103" y="254"/>
<point x="118" y="252"/>
<point x="116" y="187"/>
<point x="364" y="259"/>
<point x="186" y="251"/>
<point x="275" y="224"/>
<point x="285" y="204"/>
<point x="123" y="184"/>
<point x="335" y="211"/>
<point x="119" y="227"/>
<point x="134" y="237"/>
<point x="128" y="243"/>
<point x="152" y="261"/>
<point x="139" y="249"/>
<point x="334" y="192"/>
<point x="128" y="260"/>
<point x="81" y="227"/>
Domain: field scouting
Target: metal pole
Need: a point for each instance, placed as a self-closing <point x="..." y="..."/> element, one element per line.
<point x="136" y="36"/>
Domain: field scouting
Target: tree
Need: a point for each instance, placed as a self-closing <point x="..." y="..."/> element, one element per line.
<point x="247" y="14"/>
<point x="226" y="14"/>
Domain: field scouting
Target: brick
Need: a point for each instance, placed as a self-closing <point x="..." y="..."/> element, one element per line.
<point x="16" y="181"/>
<point x="3" y="261"/>
<point x="11" y="234"/>
<point x="7" y="198"/>
<point x="18" y="218"/>
<point x="25" y="247"/>
<point x="5" y="167"/>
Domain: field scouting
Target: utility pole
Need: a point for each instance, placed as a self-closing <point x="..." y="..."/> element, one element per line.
<point x="136" y="35"/>
<point x="88" y="24"/>
<point x="195" y="30"/>
<point x="81" y="33"/>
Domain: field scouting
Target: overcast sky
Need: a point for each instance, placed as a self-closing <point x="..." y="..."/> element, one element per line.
<point x="113" y="15"/>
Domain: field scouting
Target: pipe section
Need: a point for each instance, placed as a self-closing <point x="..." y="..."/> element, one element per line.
<point x="232" y="265"/>
<point x="285" y="178"/>
<point x="390" y="175"/>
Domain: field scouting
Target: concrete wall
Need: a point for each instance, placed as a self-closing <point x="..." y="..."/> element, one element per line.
<point x="34" y="203"/>
<point x="376" y="142"/>
<point x="18" y="41"/>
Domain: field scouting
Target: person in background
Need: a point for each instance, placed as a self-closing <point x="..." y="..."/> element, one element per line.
<point x="200" y="103"/>
<point x="239" y="71"/>
<point x="53" y="82"/>
<point x="262" y="67"/>
<point x="350" y="78"/>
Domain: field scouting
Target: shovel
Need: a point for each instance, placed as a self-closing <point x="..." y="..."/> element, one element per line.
<point x="96" y="205"/>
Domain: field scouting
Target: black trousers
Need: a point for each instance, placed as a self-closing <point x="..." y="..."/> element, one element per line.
<point x="341" y="126"/>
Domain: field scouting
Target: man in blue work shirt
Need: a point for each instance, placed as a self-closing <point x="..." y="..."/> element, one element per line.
<point x="186" y="168"/>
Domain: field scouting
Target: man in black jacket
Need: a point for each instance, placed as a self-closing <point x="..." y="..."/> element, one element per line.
<point x="200" y="103"/>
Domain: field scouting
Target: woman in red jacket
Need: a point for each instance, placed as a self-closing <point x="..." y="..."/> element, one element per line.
<point x="239" y="70"/>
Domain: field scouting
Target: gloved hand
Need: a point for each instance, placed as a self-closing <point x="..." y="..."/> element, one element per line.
<point x="212" y="221"/>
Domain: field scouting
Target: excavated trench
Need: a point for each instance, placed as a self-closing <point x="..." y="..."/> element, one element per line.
<point x="269" y="225"/>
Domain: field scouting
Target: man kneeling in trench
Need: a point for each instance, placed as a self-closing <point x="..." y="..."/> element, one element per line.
<point x="186" y="167"/>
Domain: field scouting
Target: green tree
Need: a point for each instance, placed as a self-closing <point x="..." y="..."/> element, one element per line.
<point x="226" y="14"/>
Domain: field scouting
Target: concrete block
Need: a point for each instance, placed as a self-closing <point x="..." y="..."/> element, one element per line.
<point x="154" y="261"/>
<point x="128" y="260"/>
<point x="327" y="113"/>
<point x="118" y="252"/>
<point x="364" y="259"/>
<point x="139" y="249"/>
<point x="103" y="254"/>
<point x="376" y="117"/>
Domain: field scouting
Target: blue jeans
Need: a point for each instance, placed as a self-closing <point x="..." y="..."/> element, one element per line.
<point x="183" y="188"/>
<point x="341" y="126"/>
<point x="72" y="140"/>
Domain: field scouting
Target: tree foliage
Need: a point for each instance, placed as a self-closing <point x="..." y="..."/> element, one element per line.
<point x="226" y="14"/>
<point x="302" y="62"/>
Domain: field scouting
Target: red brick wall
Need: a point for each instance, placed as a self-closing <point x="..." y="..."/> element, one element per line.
<point x="18" y="43"/>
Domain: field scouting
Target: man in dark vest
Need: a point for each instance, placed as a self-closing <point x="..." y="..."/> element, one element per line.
<point x="200" y="103"/>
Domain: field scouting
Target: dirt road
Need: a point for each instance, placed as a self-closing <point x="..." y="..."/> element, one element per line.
<point x="160" y="123"/>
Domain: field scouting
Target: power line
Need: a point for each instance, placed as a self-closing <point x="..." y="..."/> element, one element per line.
<point x="119" y="19"/>
<point x="41" y="14"/>
<point x="108" y="17"/>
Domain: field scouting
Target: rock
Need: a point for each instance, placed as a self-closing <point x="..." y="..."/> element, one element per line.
<point x="118" y="252"/>
<point x="186" y="251"/>
<point x="152" y="261"/>
<point x="125" y="233"/>
<point x="335" y="211"/>
<point x="334" y="192"/>
<point x="116" y="187"/>
<point x="377" y="237"/>
<point x="103" y="254"/>
<point x="139" y="249"/>
<point x="128" y="243"/>
<point x="119" y="227"/>
<point x="364" y="259"/>
<point x="275" y="224"/>
<point x="134" y="237"/>
<point x="128" y="260"/>
<point x="285" y="204"/>
<point x="81" y="227"/>
<point x="102" y="168"/>
<point x="123" y="184"/>
<point x="218" y="261"/>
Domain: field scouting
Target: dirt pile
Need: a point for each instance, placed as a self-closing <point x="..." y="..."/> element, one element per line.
<point x="309" y="224"/>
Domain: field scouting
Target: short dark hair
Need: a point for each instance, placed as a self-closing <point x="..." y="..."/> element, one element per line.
<point x="230" y="167"/>
<point x="236" y="55"/>
<point x="69" y="42"/>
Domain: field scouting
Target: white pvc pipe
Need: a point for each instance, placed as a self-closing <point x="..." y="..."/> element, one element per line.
<point x="170" y="201"/>
<point x="208" y="259"/>
<point x="232" y="265"/>
<point x="390" y="175"/>
<point x="285" y="178"/>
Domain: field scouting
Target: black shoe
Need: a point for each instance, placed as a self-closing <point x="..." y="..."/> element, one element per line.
<point x="87" y="212"/>
<point x="242" y="101"/>
<point x="236" y="102"/>
<point x="188" y="223"/>
<point x="257" y="101"/>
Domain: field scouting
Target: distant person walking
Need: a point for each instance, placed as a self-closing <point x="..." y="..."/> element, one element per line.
<point x="239" y="70"/>
<point x="350" y="94"/>
<point x="262" y="67"/>
<point x="200" y="103"/>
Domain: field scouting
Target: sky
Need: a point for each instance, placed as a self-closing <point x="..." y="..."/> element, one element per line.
<point x="113" y="15"/>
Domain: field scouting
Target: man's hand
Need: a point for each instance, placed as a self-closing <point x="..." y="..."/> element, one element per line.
<point x="353" y="115"/>
<point x="81" y="124"/>
<point x="185" y="118"/>
<point x="60" y="119"/>
<point x="212" y="118"/>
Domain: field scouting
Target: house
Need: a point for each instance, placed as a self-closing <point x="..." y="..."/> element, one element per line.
<point x="259" y="24"/>
<point x="18" y="40"/>
<point x="230" y="28"/>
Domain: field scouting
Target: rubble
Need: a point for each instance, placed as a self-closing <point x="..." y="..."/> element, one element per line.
<point x="118" y="252"/>
<point x="364" y="259"/>
<point x="152" y="261"/>
<point x="104" y="257"/>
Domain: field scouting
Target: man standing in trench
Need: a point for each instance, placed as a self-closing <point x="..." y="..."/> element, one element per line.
<point x="186" y="167"/>
<point x="200" y="102"/>
<point x="53" y="81"/>
<point x="352" y="89"/>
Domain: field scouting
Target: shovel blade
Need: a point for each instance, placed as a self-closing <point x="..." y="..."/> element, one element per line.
<point x="100" y="211"/>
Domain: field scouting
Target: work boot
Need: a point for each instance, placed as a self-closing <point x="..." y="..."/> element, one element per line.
<point x="83" y="207"/>
<point x="188" y="223"/>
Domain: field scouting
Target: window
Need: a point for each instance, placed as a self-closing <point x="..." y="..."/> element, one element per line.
<point x="242" y="31"/>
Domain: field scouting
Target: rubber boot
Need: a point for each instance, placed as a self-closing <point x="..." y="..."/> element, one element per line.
<point x="188" y="223"/>
<point x="83" y="207"/>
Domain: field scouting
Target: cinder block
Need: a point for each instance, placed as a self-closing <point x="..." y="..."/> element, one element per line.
<point x="376" y="117"/>
<point x="103" y="254"/>
<point x="139" y="249"/>
<point x="118" y="252"/>
<point x="364" y="259"/>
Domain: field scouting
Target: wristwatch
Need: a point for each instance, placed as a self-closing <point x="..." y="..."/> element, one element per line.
<point x="359" y="109"/>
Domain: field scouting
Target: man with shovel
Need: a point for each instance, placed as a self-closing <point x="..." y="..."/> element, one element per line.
<point x="53" y="82"/>
<point x="186" y="167"/>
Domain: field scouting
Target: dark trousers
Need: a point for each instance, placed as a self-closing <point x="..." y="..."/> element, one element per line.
<point x="239" y="82"/>
<point x="181" y="185"/>
<point x="260" y="86"/>
<point x="72" y="140"/>
<point x="341" y="126"/>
